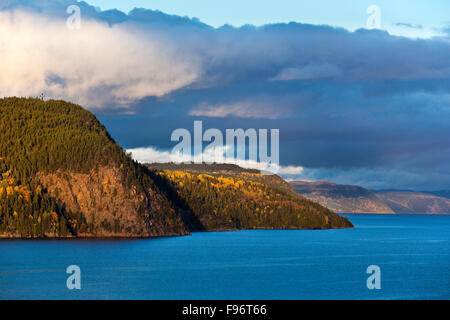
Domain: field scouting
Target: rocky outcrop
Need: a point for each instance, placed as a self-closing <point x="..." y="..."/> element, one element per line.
<point x="109" y="206"/>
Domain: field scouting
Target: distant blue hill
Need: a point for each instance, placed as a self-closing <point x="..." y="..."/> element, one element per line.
<point x="356" y="199"/>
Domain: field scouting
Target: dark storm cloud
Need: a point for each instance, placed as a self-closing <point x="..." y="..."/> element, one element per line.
<point x="344" y="131"/>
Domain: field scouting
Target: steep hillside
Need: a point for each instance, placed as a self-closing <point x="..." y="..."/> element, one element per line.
<point x="342" y="198"/>
<point x="63" y="175"/>
<point x="415" y="202"/>
<point x="227" y="197"/>
<point x="227" y="170"/>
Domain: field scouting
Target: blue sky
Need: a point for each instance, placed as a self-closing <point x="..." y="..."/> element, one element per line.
<point x="431" y="15"/>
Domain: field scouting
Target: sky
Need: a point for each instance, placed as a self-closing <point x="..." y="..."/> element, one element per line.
<point x="353" y="105"/>
<point x="427" y="16"/>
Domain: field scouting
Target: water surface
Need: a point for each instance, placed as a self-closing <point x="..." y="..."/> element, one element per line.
<point x="413" y="252"/>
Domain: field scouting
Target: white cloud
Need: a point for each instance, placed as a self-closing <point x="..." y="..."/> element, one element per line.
<point x="96" y="66"/>
<point x="290" y="170"/>
<point x="152" y="155"/>
<point x="310" y="71"/>
<point x="244" y="109"/>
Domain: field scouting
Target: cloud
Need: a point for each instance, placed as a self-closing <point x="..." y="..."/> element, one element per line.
<point x="117" y="59"/>
<point x="377" y="134"/>
<point x="243" y="109"/>
<point x="310" y="71"/>
<point x="97" y="65"/>
<point x="408" y="25"/>
<point x="152" y="155"/>
<point x="289" y="170"/>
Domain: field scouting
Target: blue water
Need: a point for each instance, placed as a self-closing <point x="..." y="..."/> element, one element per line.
<point x="413" y="252"/>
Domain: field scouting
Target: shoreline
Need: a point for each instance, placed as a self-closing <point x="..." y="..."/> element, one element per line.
<point x="74" y="238"/>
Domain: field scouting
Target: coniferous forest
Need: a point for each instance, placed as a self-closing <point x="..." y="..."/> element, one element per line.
<point x="222" y="197"/>
<point x="46" y="137"/>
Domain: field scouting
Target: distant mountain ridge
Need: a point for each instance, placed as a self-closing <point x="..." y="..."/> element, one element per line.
<point x="438" y="193"/>
<point x="415" y="202"/>
<point x="355" y="199"/>
<point x="342" y="198"/>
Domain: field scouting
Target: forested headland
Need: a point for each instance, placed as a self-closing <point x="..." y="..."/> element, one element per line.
<point x="63" y="175"/>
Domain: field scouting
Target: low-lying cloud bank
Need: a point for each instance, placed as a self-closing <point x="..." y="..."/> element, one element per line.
<point x="152" y="155"/>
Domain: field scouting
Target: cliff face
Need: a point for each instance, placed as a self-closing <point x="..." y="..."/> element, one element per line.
<point x="109" y="206"/>
<point x="342" y="198"/>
